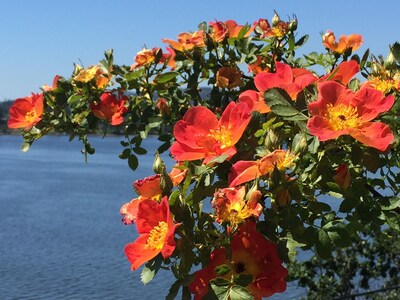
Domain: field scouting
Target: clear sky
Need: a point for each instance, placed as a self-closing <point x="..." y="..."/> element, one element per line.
<point x="42" y="38"/>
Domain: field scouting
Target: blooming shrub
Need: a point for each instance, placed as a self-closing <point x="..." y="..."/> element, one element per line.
<point x="263" y="145"/>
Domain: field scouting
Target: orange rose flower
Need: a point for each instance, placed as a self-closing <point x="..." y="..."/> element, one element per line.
<point x="352" y="41"/>
<point x="340" y="111"/>
<point x="26" y="112"/>
<point x="187" y="41"/>
<point x="229" y="77"/>
<point x="230" y="205"/>
<point x="291" y="80"/>
<point x="148" y="188"/>
<point x="200" y="135"/>
<point x="156" y="230"/>
<point x="219" y="31"/>
<point x="145" y="57"/>
<point x="234" y="29"/>
<point x="111" y="108"/>
<point x="260" y="65"/>
<point x="251" y="254"/>
<point x="244" y="171"/>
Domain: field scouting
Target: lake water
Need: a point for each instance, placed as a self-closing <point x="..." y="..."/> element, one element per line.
<point x="61" y="235"/>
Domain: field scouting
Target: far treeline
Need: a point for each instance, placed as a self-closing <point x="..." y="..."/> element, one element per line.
<point x="4" y="107"/>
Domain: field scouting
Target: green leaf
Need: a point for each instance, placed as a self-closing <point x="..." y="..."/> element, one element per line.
<point x="163" y="78"/>
<point x="243" y="279"/>
<point x="394" y="203"/>
<point x="73" y="99"/>
<point x="324" y="244"/>
<point x="133" y="162"/>
<point x="125" y="154"/>
<point x="220" y="287"/>
<point x="222" y="270"/>
<point x="173" y="290"/>
<point x="347" y="205"/>
<point x="278" y="100"/>
<point x="339" y="236"/>
<point x="139" y="150"/>
<point x="393" y="219"/>
<point x="238" y="292"/>
<point x="150" y="270"/>
<point x="302" y="40"/>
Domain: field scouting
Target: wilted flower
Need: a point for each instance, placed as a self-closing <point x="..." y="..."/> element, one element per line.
<point x="231" y="205"/>
<point x="97" y="73"/>
<point x="229" y="77"/>
<point x="26" y="112"/>
<point x="342" y="176"/>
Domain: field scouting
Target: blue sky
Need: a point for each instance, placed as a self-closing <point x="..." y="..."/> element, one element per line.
<point x="42" y="38"/>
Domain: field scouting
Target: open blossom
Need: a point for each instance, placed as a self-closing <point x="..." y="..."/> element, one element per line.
<point x="231" y="206"/>
<point x="293" y="81"/>
<point x="149" y="188"/>
<point x="229" y="77"/>
<point x="352" y="41"/>
<point x="200" y="135"/>
<point x="219" y="31"/>
<point x="111" y="108"/>
<point x="156" y="230"/>
<point x="251" y="254"/>
<point x="187" y="41"/>
<point x="340" y="111"/>
<point x="279" y="29"/>
<point x="260" y="65"/>
<point x="232" y="29"/>
<point x="26" y="112"/>
<point x="244" y="171"/>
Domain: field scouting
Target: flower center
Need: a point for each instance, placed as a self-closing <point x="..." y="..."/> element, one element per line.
<point x="157" y="236"/>
<point x="31" y="115"/>
<point x="383" y="85"/>
<point x="222" y="135"/>
<point x="342" y="116"/>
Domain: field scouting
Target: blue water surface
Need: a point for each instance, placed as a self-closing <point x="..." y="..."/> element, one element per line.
<point x="61" y="235"/>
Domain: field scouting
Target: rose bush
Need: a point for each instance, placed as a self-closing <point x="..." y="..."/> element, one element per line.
<point x="272" y="155"/>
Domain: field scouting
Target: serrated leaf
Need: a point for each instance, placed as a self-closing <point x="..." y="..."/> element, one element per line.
<point x="150" y="269"/>
<point x="339" y="236"/>
<point x="238" y="292"/>
<point x="220" y="287"/>
<point x="278" y="100"/>
<point x="324" y="244"/>
<point x="73" y="99"/>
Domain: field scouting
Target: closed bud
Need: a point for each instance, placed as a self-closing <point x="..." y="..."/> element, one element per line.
<point x="293" y="25"/>
<point x="299" y="143"/>
<point x="282" y="197"/>
<point x="158" y="164"/>
<point x="275" y="19"/>
<point x="342" y="176"/>
<point x="271" y="139"/>
<point x="390" y="60"/>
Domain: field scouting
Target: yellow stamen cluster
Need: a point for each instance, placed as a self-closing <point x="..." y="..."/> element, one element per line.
<point x="384" y="84"/>
<point x="222" y="135"/>
<point x="157" y="236"/>
<point x="31" y="115"/>
<point x="342" y="116"/>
